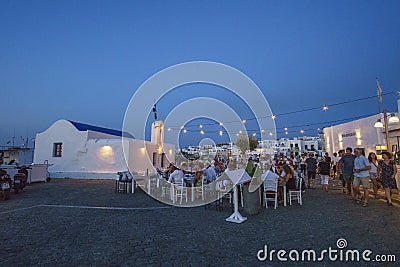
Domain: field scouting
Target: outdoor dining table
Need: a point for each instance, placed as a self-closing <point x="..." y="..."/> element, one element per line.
<point x="237" y="177"/>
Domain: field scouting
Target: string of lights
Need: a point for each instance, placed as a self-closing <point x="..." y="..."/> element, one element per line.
<point x="274" y="116"/>
<point x="284" y="130"/>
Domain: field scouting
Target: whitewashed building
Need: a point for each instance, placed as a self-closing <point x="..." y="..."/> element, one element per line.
<point x="362" y="134"/>
<point x="78" y="150"/>
<point x="286" y="146"/>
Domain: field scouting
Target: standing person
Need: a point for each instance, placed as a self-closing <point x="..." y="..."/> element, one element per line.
<point x="327" y="158"/>
<point x="339" y="169"/>
<point x="311" y="165"/>
<point x="361" y="175"/>
<point x="303" y="165"/>
<point x="388" y="171"/>
<point x="334" y="163"/>
<point x="294" y="162"/>
<point x="347" y="164"/>
<point x="373" y="172"/>
<point x="324" y="170"/>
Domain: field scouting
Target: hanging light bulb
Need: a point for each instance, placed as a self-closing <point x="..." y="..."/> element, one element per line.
<point x="220" y="133"/>
<point x="302" y="131"/>
<point x="286" y="132"/>
<point x="270" y="133"/>
<point x="285" y="129"/>
<point x="201" y="125"/>
<point x="244" y="121"/>
<point x="169" y="129"/>
<point x="185" y="131"/>
<point x="273" y="117"/>
<point x="221" y="124"/>
<point x="325" y="108"/>
<point x="181" y="127"/>
<point x="202" y="132"/>
<point x="262" y="131"/>
<point x="254" y="134"/>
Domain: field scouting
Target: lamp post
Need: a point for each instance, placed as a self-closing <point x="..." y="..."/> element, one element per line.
<point x="392" y="119"/>
<point x="385" y="120"/>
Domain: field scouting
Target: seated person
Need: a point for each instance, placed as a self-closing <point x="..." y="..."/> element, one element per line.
<point x="176" y="176"/>
<point x="287" y="176"/>
<point x="210" y="174"/>
<point x="198" y="174"/>
<point x="165" y="173"/>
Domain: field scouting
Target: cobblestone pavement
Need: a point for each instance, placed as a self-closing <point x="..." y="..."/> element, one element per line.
<point x="40" y="228"/>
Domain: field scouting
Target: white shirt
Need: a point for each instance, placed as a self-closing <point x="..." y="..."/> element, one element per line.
<point x="176" y="176"/>
<point x="374" y="169"/>
<point x="210" y="173"/>
<point x="335" y="160"/>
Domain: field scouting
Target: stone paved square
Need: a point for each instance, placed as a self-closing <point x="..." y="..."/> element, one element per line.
<point x="44" y="226"/>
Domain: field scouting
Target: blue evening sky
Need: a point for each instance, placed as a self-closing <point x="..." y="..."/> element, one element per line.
<point x="83" y="60"/>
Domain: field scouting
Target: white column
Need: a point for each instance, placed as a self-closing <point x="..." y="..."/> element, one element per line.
<point x="332" y="142"/>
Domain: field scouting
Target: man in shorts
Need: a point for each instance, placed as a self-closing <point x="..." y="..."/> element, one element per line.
<point x="347" y="164"/>
<point x="361" y="175"/>
<point x="311" y="165"/>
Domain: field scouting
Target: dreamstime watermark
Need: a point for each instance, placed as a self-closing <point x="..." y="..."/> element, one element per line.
<point x="340" y="253"/>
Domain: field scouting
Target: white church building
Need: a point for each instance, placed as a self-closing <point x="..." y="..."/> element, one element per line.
<point x="77" y="150"/>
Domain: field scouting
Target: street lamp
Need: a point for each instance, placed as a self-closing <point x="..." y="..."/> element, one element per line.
<point x="393" y="118"/>
<point x="378" y="124"/>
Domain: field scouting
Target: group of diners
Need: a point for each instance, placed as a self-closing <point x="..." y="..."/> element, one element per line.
<point x="280" y="169"/>
<point x="209" y="171"/>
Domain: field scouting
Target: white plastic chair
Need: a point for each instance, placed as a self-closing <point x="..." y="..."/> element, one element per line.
<point x="179" y="190"/>
<point x="161" y="182"/>
<point x="222" y="190"/>
<point x="201" y="189"/>
<point x="297" y="194"/>
<point x="271" y="188"/>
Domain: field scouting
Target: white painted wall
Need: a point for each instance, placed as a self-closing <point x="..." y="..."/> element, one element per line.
<point x="99" y="157"/>
<point x="366" y="135"/>
<point x="141" y="158"/>
<point x="62" y="131"/>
